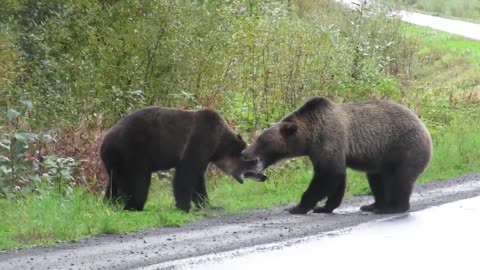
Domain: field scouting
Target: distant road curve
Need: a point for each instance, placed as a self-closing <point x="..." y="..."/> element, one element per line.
<point x="457" y="27"/>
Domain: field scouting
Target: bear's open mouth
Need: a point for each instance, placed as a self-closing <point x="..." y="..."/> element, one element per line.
<point x="259" y="164"/>
<point x="259" y="177"/>
<point x="239" y="178"/>
<point x="255" y="176"/>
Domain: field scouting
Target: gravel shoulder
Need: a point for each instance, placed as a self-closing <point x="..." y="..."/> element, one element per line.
<point x="219" y="234"/>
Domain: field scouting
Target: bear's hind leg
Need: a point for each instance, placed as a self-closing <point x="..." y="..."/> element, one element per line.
<point x="397" y="192"/>
<point x="111" y="189"/>
<point x="377" y="186"/>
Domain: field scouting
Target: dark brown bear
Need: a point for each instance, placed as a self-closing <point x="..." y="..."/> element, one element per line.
<point x="382" y="138"/>
<point x="154" y="138"/>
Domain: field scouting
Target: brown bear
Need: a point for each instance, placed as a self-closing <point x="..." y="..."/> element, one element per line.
<point x="154" y="139"/>
<point x="382" y="138"/>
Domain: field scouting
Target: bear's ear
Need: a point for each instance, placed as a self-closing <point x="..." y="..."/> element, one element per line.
<point x="288" y="129"/>
<point x="239" y="137"/>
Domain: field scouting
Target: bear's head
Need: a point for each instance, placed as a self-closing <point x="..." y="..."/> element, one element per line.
<point x="280" y="141"/>
<point x="230" y="161"/>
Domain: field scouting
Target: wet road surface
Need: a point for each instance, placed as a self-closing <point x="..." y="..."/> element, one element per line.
<point x="444" y="237"/>
<point x="166" y="247"/>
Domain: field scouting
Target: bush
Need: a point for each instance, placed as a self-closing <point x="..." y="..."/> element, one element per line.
<point x="252" y="60"/>
<point x="21" y="169"/>
<point x="84" y="64"/>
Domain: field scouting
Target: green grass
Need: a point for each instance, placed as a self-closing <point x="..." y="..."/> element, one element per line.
<point x="447" y="65"/>
<point x="436" y="40"/>
<point x="456" y="151"/>
<point x="43" y="219"/>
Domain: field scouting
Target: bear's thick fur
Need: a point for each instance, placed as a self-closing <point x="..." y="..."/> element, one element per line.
<point x="154" y="138"/>
<point x="382" y="138"/>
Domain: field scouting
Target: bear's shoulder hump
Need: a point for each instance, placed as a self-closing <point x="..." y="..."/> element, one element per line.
<point x="315" y="103"/>
<point x="209" y="115"/>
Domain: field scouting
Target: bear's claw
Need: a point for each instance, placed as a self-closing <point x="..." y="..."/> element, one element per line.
<point x="298" y="210"/>
<point x="322" y="209"/>
<point x="368" y="207"/>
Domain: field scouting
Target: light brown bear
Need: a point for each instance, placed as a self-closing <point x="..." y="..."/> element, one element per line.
<point x="382" y="138"/>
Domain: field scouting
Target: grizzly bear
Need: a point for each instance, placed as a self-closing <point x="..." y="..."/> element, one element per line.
<point x="154" y="139"/>
<point x="384" y="139"/>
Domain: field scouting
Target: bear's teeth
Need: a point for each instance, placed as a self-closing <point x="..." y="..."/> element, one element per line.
<point x="259" y="166"/>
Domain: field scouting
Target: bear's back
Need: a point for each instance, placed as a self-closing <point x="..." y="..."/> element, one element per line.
<point x="381" y="130"/>
<point x="150" y="133"/>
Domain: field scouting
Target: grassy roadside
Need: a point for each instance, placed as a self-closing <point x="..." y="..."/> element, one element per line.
<point x="448" y="66"/>
<point x="46" y="219"/>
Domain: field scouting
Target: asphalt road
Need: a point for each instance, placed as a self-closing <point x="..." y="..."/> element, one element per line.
<point x="440" y="237"/>
<point x="457" y="27"/>
<point x="461" y="28"/>
<point x="165" y="248"/>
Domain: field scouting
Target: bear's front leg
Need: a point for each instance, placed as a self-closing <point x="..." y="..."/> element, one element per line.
<point x="182" y="189"/>
<point x="329" y="179"/>
<point x="182" y="201"/>
<point x="199" y="196"/>
<point x="310" y="197"/>
<point x="334" y="198"/>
